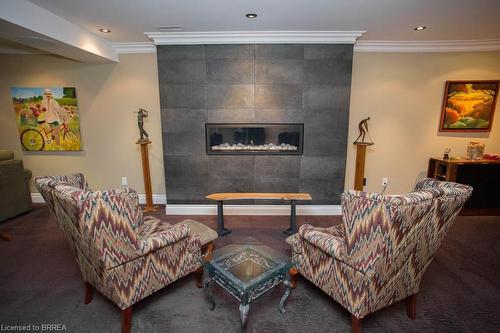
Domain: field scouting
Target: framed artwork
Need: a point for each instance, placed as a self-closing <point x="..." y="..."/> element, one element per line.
<point x="47" y="118"/>
<point x="468" y="106"/>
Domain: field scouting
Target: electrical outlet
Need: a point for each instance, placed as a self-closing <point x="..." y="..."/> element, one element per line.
<point x="385" y="181"/>
<point x="124" y="181"/>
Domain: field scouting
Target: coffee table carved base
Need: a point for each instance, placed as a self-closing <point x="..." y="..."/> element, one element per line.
<point x="247" y="273"/>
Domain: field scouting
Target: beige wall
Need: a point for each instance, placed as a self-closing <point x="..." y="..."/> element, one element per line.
<point x="401" y="92"/>
<point x="108" y="94"/>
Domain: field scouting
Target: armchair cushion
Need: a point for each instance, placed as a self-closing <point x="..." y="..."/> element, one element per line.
<point x="154" y="234"/>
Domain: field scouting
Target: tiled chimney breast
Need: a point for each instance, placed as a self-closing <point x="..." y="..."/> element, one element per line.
<point x="266" y="83"/>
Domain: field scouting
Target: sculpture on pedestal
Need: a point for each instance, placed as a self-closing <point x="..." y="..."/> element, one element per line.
<point x="359" y="175"/>
<point x="144" y="142"/>
<point x="363" y="131"/>
<point x="140" y="122"/>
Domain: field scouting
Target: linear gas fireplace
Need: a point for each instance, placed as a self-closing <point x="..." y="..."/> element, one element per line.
<point x="262" y="139"/>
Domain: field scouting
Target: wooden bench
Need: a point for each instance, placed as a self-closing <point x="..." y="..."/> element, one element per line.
<point x="292" y="197"/>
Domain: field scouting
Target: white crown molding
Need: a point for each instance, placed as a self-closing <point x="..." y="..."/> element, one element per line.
<point x="428" y="46"/>
<point x="181" y="209"/>
<point x="158" y="199"/>
<point x="253" y="37"/>
<point x="359" y="46"/>
<point x="135" y="47"/>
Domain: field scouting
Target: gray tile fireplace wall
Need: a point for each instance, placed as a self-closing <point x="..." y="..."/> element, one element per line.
<point x="269" y="83"/>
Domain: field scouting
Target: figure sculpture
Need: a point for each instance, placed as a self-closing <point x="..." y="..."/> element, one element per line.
<point x="446" y="155"/>
<point x="363" y="131"/>
<point x="140" y="122"/>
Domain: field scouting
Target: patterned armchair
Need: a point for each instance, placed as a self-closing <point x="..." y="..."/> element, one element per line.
<point x="379" y="253"/>
<point x="121" y="254"/>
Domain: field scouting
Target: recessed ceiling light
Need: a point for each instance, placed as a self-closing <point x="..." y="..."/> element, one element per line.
<point x="251" y="15"/>
<point x="106" y="31"/>
<point x="420" y="28"/>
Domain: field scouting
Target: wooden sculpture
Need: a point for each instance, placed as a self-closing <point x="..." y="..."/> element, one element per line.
<point x="359" y="175"/>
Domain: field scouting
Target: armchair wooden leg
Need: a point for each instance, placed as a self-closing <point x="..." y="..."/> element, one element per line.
<point x="5" y="236"/>
<point x="126" y="319"/>
<point x="411" y="306"/>
<point x="355" y="324"/>
<point x="293" y="276"/>
<point x="89" y="293"/>
<point x="206" y="251"/>
<point x="199" y="277"/>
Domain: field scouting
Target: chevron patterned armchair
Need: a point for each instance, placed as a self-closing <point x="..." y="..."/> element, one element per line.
<point x="379" y="253"/>
<point x="122" y="254"/>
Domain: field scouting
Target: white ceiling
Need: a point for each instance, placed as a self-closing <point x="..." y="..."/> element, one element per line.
<point x="389" y="20"/>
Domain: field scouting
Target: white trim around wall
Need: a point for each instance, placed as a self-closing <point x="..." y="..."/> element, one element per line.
<point x="254" y="37"/>
<point x="37" y="198"/>
<point x="360" y="46"/>
<point x="178" y="209"/>
<point x="138" y="47"/>
<point x="427" y="46"/>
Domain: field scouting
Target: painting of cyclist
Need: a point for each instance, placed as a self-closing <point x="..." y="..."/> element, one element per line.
<point x="53" y="113"/>
<point x="47" y="117"/>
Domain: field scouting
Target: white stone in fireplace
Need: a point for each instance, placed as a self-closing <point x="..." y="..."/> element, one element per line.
<point x="264" y="147"/>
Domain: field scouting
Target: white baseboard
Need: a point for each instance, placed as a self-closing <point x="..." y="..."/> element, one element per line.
<point x="37" y="198"/>
<point x="178" y="209"/>
<point x="183" y="209"/>
<point x="158" y="199"/>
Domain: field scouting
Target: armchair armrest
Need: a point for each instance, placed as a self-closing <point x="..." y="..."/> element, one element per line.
<point x="426" y="183"/>
<point x="329" y="240"/>
<point x="447" y="187"/>
<point x="154" y="234"/>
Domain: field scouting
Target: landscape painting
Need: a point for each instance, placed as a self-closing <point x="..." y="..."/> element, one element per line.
<point x="469" y="106"/>
<point x="47" y="118"/>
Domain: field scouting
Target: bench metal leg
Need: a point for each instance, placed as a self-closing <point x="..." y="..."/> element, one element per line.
<point x="293" y="219"/>
<point x="220" y="220"/>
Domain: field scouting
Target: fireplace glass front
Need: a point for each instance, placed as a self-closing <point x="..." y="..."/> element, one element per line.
<point x="262" y="139"/>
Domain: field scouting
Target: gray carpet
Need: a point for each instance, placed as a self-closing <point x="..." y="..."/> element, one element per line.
<point x="40" y="284"/>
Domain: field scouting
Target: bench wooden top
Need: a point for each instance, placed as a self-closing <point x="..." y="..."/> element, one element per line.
<point x="276" y="196"/>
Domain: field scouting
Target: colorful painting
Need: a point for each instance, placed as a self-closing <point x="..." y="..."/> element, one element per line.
<point x="469" y="106"/>
<point x="47" y="118"/>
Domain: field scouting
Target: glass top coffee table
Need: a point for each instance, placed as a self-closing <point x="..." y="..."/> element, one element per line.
<point x="247" y="272"/>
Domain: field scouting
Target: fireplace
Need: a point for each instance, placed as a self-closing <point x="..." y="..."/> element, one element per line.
<point x="261" y="139"/>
